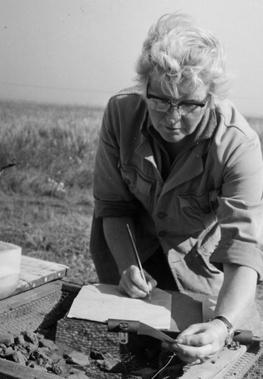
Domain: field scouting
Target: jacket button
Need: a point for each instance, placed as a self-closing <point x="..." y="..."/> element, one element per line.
<point x="162" y="233"/>
<point x="161" y="215"/>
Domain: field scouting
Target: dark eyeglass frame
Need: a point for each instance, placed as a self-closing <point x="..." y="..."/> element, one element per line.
<point x="176" y="104"/>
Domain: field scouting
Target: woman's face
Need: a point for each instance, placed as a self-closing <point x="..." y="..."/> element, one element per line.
<point x="175" y="114"/>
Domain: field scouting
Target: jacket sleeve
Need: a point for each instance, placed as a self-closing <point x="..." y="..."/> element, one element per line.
<point x="240" y="208"/>
<point x="112" y="196"/>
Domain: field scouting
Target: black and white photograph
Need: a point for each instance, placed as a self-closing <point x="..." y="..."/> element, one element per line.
<point x="131" y="189"/>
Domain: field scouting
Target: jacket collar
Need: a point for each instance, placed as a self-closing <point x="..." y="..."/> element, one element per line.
<point x="188" y="166"/>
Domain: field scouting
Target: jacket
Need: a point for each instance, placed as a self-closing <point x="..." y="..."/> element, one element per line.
<point x="207" y="212"/>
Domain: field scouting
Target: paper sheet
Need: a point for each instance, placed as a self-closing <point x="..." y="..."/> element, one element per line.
<point x="100" y="302"/>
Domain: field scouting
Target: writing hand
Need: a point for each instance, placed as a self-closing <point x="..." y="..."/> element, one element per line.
<point x="132" y="283"/>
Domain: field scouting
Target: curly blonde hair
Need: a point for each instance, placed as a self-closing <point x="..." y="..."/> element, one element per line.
<point x="182" y="54"/>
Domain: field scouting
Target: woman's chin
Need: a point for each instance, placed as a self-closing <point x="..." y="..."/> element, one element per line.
<point x="173" y="135"/>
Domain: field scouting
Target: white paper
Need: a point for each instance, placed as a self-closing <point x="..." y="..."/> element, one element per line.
<point x="100" y="302"/>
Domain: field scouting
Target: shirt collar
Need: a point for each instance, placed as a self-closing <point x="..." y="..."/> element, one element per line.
<point x="208" y="123"/>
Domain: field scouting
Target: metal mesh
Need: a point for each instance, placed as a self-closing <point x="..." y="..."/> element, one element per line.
<point x="249" y="365"/>
<point x="30" y="315"/>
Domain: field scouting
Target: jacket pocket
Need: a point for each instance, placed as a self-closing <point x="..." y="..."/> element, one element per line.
<point x="139" y="185"/>
<point x="196" y="210"/>
<point x="206" y="245"/>
<point x="200" y="263"/>
<point x="193" y="272"/>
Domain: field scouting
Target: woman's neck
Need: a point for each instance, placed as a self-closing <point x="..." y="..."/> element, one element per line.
<point x="175" y="148"/>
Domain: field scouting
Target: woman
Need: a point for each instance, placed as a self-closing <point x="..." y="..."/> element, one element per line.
<point x="179" y="164"/>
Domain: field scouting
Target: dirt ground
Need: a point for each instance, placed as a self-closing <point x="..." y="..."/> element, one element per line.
<point x="53" y="230"/>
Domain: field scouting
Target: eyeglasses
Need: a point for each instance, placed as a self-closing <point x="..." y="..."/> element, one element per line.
<point x="182" y="106"/>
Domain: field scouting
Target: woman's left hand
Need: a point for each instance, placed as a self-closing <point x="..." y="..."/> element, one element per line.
<point x="199" y="341"/>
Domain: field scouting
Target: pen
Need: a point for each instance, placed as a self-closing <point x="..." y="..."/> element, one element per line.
<point x="137" y="255"/>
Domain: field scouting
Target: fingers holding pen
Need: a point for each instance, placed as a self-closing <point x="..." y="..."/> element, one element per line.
<point x="134" y="285"/>
<point x="151" y="282"/>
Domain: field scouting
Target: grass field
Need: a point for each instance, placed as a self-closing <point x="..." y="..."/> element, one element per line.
<point x="46" y="199"/>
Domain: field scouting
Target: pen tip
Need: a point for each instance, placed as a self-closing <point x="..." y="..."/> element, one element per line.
<point x="149" y="296"/>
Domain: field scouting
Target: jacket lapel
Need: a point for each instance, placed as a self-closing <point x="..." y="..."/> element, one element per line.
<point x="145" y="152"/>
<point x="190" y="163"/>
<point x="187" y="167"/>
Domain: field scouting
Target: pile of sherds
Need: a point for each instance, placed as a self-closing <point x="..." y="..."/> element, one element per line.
<point x="33" y="350"/>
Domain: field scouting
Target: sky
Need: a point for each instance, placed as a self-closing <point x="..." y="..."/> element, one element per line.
<point x="84" y="51"/>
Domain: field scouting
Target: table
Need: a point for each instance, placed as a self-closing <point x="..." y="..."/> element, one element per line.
<point x="35" y="272"/>
<point x="228" y="364"/>
<point x="38" y="291"/>
<point x="46" y="298"/>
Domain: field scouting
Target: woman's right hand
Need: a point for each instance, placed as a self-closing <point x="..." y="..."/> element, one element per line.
<point x="133" y="284"/>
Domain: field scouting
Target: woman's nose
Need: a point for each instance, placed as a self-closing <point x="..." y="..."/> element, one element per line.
<point x="174" y="112"/>
<point x="173" y="115"/>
